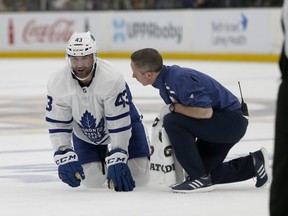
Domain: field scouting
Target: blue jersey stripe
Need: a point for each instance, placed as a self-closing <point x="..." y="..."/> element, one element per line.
<point x="117" y="117"/>
<point x="51" y="131"/>
<point x="119" y="129"/>
<point x="58" y="121"/>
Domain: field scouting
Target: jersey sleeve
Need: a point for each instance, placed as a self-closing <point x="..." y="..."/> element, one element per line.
<point x="117" y="114"/>
<point x="59" y="119"/>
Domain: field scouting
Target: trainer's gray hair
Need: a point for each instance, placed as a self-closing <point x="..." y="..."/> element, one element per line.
<point x="147" y="59"/>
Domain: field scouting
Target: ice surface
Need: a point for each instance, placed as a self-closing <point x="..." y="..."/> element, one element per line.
<point x="28" y="178"/>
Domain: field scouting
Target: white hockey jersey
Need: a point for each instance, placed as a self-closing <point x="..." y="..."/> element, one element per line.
<point x="98" y="114"/>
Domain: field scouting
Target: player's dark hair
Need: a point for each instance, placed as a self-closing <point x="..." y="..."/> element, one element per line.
<point x="147" y="59"/>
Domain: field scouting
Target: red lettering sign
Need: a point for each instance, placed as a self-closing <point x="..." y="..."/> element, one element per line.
<point x="57" y="32"/>
<point x="11" y="32"/>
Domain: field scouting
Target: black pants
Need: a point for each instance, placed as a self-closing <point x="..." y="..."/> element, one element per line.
<point x="279" y="186"/>
<point x="201" y="145"/>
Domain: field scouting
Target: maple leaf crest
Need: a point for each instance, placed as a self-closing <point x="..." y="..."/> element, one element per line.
<point x="95" y="132"/>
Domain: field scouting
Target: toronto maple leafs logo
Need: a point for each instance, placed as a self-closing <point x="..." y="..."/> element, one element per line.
<point x="94" y="132"/>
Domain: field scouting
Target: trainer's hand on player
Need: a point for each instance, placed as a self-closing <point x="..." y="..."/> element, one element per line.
<point x="119" y="176"/>
<point x="70" y="170"/>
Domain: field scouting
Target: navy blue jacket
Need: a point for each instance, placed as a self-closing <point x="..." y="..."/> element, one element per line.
<point x="190" y="87"/>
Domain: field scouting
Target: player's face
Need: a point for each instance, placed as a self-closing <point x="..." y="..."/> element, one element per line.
<point x="143" y="78"/>
<point x="82" y="65"/>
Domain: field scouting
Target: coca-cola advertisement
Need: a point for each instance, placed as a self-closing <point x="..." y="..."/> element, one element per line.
<point x="11" y="32"/>
<point x="58" y="31"/>
<point x="41" y="31"/>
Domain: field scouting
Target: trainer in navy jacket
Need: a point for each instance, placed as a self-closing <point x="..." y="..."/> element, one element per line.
<point x="203" y="120"/>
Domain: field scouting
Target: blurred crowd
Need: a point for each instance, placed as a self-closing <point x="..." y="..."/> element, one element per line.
<point x="61" y="5"/>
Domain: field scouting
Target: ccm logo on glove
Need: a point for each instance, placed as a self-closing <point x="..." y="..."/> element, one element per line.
<point x="67" y="158"/>
<point x="70" y="170"/>
<point x="118" y="158"/>
<point x="119" y="176"/>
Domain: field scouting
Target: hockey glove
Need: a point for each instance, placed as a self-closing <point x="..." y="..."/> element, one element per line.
<point x="119" y="176"/>
<point x="69" y="169"/>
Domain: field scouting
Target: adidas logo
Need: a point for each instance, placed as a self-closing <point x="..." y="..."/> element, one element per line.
<point x="261" y="172"/>
<point x="196" y="184"/>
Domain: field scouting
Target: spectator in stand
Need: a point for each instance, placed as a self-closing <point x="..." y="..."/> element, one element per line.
<point x="165" y="4"/>
<point x="122" y="5"/>
<point x="201" y="4"/>
<point x="2" y="6"/>
<point x="58" y="5"/>
<point x="150" y="4"/>
<point x="99" y="4"/>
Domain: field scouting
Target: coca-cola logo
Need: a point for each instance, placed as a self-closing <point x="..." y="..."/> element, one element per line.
<point x="57" y="32"/>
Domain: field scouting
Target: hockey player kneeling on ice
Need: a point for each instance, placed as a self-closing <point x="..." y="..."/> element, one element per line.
<point x="95" y="128"/>
<point x="203" y="121"/>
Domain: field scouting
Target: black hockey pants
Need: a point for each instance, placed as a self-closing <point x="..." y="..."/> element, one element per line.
<point x="201" y="145"/>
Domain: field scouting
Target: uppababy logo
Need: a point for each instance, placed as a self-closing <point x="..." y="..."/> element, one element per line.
<point x="149" y="30"/>
<point x="119" y="28"/>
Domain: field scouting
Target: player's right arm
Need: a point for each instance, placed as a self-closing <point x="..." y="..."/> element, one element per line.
<point x="59" y="118"/>
<point x="58" y="114"/>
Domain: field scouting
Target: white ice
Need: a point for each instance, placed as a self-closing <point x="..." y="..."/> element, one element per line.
<point x="28" y="177"/>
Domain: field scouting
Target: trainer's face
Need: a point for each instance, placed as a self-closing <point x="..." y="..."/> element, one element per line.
<point x="143" y="78"/>
<point x="82" y="65"/>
